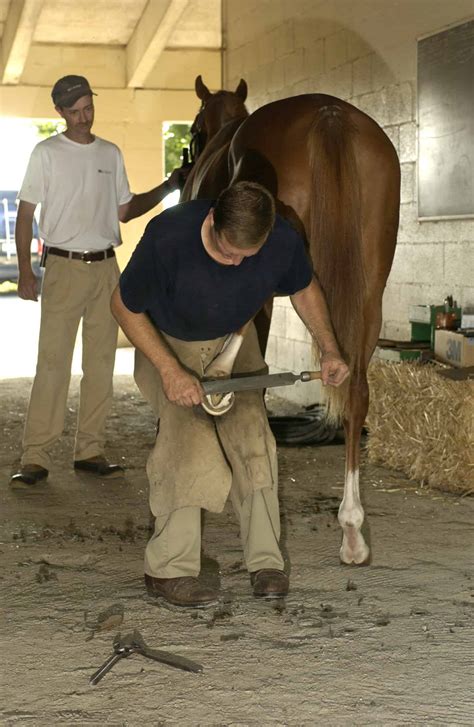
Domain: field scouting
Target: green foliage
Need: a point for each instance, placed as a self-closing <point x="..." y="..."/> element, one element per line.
<point x="175" y="136"/>
<point x="46" y="129"/>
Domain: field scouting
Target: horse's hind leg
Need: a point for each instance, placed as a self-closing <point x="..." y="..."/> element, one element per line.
<point x="262" y="323"/>
<point x="354" y="550"/>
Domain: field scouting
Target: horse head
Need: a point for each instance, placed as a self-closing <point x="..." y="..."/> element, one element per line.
<point x="217" y="109"/>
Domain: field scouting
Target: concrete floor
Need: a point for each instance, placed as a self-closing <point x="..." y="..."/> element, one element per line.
<point x="390" y="644"/>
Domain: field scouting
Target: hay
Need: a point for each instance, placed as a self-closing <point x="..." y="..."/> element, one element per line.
<point x="422" y="424"/>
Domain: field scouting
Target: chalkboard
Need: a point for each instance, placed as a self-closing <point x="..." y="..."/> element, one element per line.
<point x="446" y="123"/>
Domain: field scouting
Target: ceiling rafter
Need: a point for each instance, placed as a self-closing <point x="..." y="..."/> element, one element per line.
<point x="17" y="36"/>
<point x="149" y="38"/>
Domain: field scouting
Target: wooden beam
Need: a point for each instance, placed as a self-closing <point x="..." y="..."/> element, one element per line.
<point x="150" y="37"/>
<point x="17" y="36"/>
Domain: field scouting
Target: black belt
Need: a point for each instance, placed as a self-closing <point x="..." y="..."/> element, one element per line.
<point x="86" y="257"/>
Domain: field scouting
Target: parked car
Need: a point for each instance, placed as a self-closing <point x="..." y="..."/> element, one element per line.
<point x="8" y="258"/>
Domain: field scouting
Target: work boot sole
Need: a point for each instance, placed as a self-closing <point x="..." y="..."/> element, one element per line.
<point x="180" y="606"/>
<point x="119" y="474"/>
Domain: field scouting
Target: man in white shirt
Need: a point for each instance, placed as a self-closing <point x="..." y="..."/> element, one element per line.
<point x="82" y="186"/>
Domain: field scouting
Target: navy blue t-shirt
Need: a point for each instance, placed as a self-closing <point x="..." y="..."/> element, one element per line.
<point x="190" y="296"/>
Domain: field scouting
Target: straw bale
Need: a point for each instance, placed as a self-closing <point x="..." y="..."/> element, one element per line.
<point x="422" y="424"/>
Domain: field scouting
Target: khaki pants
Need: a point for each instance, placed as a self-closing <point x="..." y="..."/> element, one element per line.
<point x="174" y="550"/>
<point x="72" y="290"/>
<point x="198" y="460"/>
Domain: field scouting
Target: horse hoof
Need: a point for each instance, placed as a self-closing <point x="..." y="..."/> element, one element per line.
<point x="355" y="558"/>
<point x="355" y="564"/>
<point x="218" y="404"/>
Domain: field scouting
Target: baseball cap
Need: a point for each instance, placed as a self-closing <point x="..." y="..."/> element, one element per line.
<point x="69" y="89"/>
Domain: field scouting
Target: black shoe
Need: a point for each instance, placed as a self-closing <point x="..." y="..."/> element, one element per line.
<point x="30" y="474"/>
<point x="98" y="466"/>
<point x="269" y="583"/>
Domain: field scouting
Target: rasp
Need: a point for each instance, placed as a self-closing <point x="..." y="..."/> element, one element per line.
<point x="247" y="383"/>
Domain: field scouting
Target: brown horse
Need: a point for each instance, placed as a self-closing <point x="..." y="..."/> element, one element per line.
<point x="336" y="177"/>
<point x="212" y="131"/>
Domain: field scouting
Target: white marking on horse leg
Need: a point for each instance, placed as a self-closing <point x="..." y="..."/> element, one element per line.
<point x="223" y="363"/>
<point x="351" y="516"/>
<point x="221" y="367"/>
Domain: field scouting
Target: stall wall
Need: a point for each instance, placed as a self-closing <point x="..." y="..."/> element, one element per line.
<point x="364" y="52"/>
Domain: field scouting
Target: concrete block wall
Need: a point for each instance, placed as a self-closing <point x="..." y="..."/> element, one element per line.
<point x="363" y="52"/>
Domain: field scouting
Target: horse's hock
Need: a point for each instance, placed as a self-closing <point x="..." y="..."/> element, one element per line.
<point x="421" y="423"/>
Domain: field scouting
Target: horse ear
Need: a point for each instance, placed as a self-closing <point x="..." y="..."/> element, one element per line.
<point x="241" y="90"/>
<point x="202" y="90"/>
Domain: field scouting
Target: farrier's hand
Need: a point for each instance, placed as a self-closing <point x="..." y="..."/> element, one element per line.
<point x="181" y="387"/>
<point x="27" y="285"/>
<point x="333" y="369"/>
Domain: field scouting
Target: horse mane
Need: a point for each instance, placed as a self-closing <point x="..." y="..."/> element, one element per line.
<point x="223" y="136"/>
<point x="335" y="237"/>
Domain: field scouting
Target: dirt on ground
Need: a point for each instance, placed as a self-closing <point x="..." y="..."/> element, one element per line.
<point x="387" y="644"/>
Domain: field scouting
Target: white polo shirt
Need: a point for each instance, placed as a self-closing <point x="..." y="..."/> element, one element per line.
<point x="80" y="188"/>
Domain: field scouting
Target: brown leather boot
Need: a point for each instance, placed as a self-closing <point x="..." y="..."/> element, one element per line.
<point x="269" y="583"/>
<point x="184" y="591"/>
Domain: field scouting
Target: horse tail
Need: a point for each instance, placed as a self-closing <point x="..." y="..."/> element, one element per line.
<point x="336" y="238"/>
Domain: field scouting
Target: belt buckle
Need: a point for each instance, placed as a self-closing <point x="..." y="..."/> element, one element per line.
<point x="87" y="262"/>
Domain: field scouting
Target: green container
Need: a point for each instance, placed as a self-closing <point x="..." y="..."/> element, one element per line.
<point x="420" y="331"/>
<point x="424" y="331"/>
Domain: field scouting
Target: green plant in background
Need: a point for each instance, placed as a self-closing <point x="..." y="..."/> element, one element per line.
<point x="175" y="137"/>
<point x="46" y="129"/>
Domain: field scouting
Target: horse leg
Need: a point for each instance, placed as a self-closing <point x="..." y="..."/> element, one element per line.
<point x="354" y="550"/>
<point x="221" y="367"/>
<point x="262" y="321"/>
<point x="223" y="363"/>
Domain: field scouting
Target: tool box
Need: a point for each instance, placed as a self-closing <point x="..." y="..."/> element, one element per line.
<point x="454" y="347"/>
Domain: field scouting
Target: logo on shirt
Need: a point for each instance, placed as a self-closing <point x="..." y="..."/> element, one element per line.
<point x="104" y="171"/>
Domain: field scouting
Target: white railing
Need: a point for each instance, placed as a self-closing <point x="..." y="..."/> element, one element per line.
<point x="9" y="216"/>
